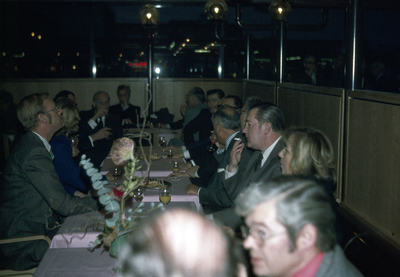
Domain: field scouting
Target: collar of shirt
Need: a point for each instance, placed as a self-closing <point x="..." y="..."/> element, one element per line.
<point x="311" y="269"/>
<point x="124" y="107"/>
<point x="228" y="141"/>
<point x="45" y="142"/>
<point x="268" y="151"/>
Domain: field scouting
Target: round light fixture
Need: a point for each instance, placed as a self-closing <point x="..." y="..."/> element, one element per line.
<point x="280" y="10"/>
<point x="216" y="9"/>
<point x="149" y="16"/>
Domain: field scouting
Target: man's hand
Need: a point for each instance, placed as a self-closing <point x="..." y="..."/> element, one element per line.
<point x="192" y="189"/>
<point x="127" y="121"/>
<point x="185" y="166"/>
<point x="192" y="171"/>
<point x="183" y="109"/>
<point x="100" y="113"/>
<point x="173" y="148"/>
<point x="178" y="156"/>
<point x="236" y="155"/>
<point x="101" y="134"/>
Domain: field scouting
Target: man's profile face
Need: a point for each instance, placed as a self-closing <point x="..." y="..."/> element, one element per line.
<point x="212" y="102"/>
<point x="123" y="96"/>
<point x="269" y="243"/>
<point x="102" y="101"/>
<point x="54" y="117"/>
<point x="254" y="134"/>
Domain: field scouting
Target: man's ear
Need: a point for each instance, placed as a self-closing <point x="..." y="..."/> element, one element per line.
<point x="266" y="127"/>
<point x="307" y="237"/>
<point x="42" y="118"/>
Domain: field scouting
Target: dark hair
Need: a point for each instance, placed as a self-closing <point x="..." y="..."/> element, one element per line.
<point x="299" y="201"/>
<point x="251" y="102"/>
<point x="268" y="112"/>
<point x="220" y="92"/>
<point x="122" y="87"/>
<point x="238" y="101"/>
<point x="199" y="93"/>
<point x="227" y="117"/>
<point x="63" y="93"/>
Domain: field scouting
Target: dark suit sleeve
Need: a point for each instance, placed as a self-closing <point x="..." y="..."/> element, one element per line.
<point x="201" y="124"/>
<point x="176" y="125"/>
<point x="208" y="165"/>
<point x="84" y="129"/>
<point x="40" y="171"/>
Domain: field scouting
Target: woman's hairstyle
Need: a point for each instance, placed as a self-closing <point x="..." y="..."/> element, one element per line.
<point x="312" y="153"/>
<point x="70" y="116"/>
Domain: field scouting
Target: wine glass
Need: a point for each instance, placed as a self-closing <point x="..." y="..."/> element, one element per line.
<point x="175" y="169"/>
<point x="170" y="155"/>
<point x="138" y="194"/>
<point x="160" y="140"/>
<point x="117" y="173"/>
<point x="165" y="196"/>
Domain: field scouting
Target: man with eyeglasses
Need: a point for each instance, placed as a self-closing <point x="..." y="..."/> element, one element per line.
<point x="290" y="231"/>
<point x="310" y="75"/>
<point x="33" y="201"/>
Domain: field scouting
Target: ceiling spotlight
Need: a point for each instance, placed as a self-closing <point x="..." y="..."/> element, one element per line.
<point x="280" y="10"/>
<point x="149" y="16"/>
<point x="216" y="9"/>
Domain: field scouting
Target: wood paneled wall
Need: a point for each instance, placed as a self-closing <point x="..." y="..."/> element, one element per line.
<point x="266" y="90"/>
<point x="318" y="107"/>
<point x="372" y="161"/>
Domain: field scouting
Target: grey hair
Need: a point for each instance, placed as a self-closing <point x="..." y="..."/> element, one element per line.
<point x="268" y="112"/>
<point x="299" y="201"/>
<point x="227" y="117"/>
<point x="29" y="108"/>
<point x="97" y="93"/>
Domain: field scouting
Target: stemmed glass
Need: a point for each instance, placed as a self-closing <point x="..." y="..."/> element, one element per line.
<point x="175" y="169"/>
<point x="165" y="196"/>
<point x="138" y="194"/>
<point x="161" y="141"/>
<point x="117" y="173"/>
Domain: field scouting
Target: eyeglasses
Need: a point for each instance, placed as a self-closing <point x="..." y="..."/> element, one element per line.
<point x="260" y="237"/>
<point x="55" y="109"/>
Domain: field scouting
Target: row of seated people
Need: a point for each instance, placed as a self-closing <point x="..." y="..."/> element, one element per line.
<point x="246" y="156"/>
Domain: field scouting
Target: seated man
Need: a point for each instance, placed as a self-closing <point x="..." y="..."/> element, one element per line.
<point x="101" y="127"/>
<point x="195" y="99"/>
<point x="179" y="243"/>
<point x="290" y="230"/>
<point x="33" y="201"/>
<point x="128" y="113"/>
<point x="226" y="122"/>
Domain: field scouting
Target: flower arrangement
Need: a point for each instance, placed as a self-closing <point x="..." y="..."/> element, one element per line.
<point x="122" y="152"/>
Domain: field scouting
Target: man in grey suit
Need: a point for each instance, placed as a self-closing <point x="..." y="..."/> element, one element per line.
<point x="226" y="123"/>
<point x="263" y="127"/>
<point x="290" y="230"/>
<point x="33" y="201"/>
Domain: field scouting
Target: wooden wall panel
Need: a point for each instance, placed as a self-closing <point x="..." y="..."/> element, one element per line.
<point x="266" y="90"/>
<point x="83" y="89"/>
<point x="315" y="107"/>
<point x="372" y="164"/>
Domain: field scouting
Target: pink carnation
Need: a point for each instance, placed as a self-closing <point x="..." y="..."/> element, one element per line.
<point x="122" y="150"/>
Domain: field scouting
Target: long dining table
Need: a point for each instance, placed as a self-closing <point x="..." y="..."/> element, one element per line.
<point x="68" y="254"/>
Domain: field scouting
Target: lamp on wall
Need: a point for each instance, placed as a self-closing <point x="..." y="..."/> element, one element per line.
<point x="216" y="9"/>
<point x="280" y="10"/>
<point x="149" y="16"/>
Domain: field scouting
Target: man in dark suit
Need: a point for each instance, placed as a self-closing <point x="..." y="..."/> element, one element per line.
<point x="310" y="75"/>
<point x="128" y="113"/>
<point x="101" y="127"/>
<point x="226" y="122"/>
<point x="264" y="125"/>
<point x="33" y="201"/>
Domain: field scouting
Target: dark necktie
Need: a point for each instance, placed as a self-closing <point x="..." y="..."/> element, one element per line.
<point x="257" y="165"/>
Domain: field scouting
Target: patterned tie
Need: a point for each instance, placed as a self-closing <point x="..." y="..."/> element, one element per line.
<point x="257" y="165"/>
